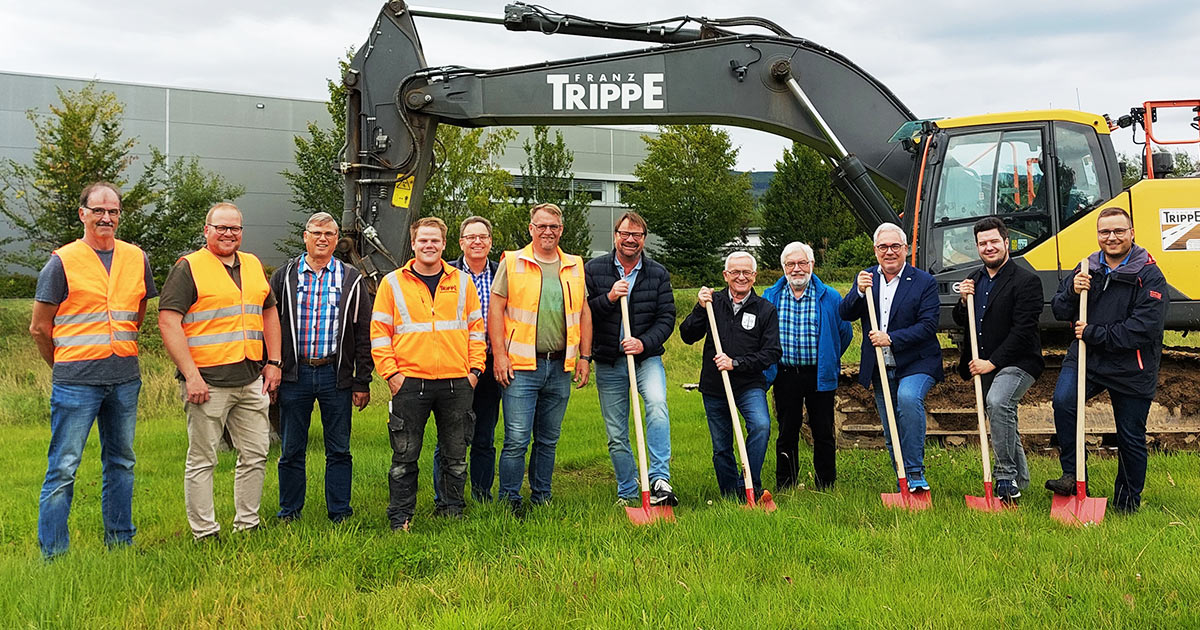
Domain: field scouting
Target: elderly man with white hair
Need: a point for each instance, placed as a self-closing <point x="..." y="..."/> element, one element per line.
<point x="813" y="339"/>
<point x="749" y="330"/>
<point x="906" y="301"/>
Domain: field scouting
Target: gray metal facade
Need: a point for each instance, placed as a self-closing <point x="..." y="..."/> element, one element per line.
<point x="249" y="140"/>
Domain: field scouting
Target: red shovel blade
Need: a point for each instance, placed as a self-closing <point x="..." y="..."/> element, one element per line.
<point x="766" y="501"/>
<point x="646" y="514"/>
<point x="1079" y="509"/>
<point x="987" y="502"/>
<point x="907" y="500"/>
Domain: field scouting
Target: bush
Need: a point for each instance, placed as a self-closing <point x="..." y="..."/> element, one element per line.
<point x="17" y="285"/>
<point x="857" y="251"/>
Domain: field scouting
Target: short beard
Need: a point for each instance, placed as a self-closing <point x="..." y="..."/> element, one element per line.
<point x="798" y="284"/>
<point x="996" y="265"/>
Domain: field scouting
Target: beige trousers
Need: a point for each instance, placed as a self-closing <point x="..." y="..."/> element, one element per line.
<point x="244" y="411"/>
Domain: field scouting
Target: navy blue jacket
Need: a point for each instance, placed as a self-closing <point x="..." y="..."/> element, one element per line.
<point x="651" y="308"/>
<point x="1127" y="309"/>
<point x="912" y="325"/>
<point x="833" y="333"/>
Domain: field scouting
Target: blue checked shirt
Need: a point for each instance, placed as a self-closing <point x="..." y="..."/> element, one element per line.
<point x="798" y="328"/>
<point x="483" y="285"/>
<point x="317" y="297"/>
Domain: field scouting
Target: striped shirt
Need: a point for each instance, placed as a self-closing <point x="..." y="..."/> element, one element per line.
<point x="317" y="297"/>
<point x="798" y="328"/>
<point x="483" y="285"/>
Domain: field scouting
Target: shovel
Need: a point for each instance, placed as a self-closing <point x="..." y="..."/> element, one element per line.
<point x="766" y="502"/>
<point x="905" y="499"/>
<point x="987" y="502"/>
<point x="1079" y="509"/>
<point x="647" y="513"/>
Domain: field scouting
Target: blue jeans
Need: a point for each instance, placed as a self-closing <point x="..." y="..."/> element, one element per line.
<point x="482" y="469"/>
<point x="612" y="383"/>
<point x="314" y="385"/>
<point x="73" y="409"/>
<point x="534" y="404"/>
<point x="753" y="405"/>
<point x="1130" y="415"/>
<point x="1001" y="397"/>
<point x="908" y="401"/>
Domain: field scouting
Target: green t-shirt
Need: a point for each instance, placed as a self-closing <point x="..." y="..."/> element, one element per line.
<point x="552" y="316"/>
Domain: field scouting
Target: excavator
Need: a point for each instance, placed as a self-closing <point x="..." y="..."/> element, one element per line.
<point x="1046" y="173"/>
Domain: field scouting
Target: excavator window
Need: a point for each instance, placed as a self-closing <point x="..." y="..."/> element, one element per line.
<point x="1077" y="181"/>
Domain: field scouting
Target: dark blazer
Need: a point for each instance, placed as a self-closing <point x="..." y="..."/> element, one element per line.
<point x="912" y="325"/>
<point x="651" y="308"/>
<point x="354" y="363"/>
<point x="1009" y="335"/>
<point x="751" y="338"/>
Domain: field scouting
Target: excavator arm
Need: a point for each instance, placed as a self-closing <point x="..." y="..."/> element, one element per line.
<point x="777" y="83"/>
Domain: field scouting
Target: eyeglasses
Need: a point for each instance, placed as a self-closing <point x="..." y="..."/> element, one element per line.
<point x="475" y="238"/>
<point x="797" y="265"/>
<point x="547" y="227"/>
<point x="886" y="247"/>
<point x="1117" y="232"/>
<point x="327" y="235"/>
<point x="638" y="235"/>
<point x="226" y="229"/>
<point x="100" y="212"/>
<point x="740" y="274"/>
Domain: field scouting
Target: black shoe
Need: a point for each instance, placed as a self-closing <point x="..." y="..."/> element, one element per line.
<point x="455" y="513"/>
<point x="209" y="539"/>
<point x="519" y="509"/>
<point x="1007" y="491"/>
<point x="1064" y="486"/>
<point x="661" y="493"/>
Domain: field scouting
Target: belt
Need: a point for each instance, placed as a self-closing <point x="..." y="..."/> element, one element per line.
<point x="557" y="355"/>
<point x="317" y="362"/>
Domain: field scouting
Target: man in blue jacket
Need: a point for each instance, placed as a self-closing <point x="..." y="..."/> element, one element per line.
<point x="1127" y="308"/>
<point x="813" y="338"/>
<point x="906" y="303"/>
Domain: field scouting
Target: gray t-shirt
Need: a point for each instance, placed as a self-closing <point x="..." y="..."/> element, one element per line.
<point x="52" y="289"/>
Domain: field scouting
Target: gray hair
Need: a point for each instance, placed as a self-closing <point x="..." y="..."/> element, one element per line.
<point x="475" y="219"/>
<point x="792" y="248"/>
<point x="741" y="254"/>
<point x="890" y="227"/>
<point x="319" y="218"/>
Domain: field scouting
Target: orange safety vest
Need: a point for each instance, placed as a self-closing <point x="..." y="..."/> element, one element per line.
<point x="521" y="310"/>
<point x="415" y="334"/>
<point x="99" y="317"/>
<point x="225" y="324"/>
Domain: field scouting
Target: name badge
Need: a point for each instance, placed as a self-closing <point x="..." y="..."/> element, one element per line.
<point x="748" y="321"/>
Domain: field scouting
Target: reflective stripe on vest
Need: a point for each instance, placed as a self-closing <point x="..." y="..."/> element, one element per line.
<point x="99" y="317"/>
<point x="225" y="324"/>
<point x="524" y="295"/>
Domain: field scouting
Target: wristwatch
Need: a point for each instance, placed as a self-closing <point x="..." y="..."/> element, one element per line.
<point x="477" y="372"/>
<point x="586" y="357"/>
<point x="274" y="362"/>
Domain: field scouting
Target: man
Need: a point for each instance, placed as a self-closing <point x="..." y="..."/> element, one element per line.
<point x="475" y="239"/>
<point x="1127" y="306"/>
<point x="89" y="304"/>
<point x="325" y="314"/>
<point x="1008" y="304"/>
<point x="813" y="339"/>
<point x="749" y="330"/>
<point x="215" y="314"/>
<point x="541" y="332"/>
<point x="627" y="272"/>
<point x="427" y="339"/>
<point x="906" y="302"/>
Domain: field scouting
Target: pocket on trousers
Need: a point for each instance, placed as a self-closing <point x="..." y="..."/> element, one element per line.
<point x="396" y="433"/>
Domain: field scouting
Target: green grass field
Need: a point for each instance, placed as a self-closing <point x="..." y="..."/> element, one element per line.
<point x="836" y="559"/>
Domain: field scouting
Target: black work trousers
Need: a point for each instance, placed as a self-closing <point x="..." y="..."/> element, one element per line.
<point x="450" y="401"/>
<point x="795" y="389"/>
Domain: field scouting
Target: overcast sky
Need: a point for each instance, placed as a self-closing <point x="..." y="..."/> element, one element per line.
<point x="942" y="58"/>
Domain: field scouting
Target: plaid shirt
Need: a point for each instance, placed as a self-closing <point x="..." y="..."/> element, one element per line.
<point x="317" y="297"/>
<point x="483" y="284"/>
<point x="798" y="328"/>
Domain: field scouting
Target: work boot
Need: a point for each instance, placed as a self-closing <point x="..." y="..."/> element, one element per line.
<point x="661" y="493"/>
<point x="1063" y="486"/>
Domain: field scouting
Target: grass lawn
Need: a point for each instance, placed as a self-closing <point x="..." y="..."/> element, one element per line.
<point x="823" y="559"/>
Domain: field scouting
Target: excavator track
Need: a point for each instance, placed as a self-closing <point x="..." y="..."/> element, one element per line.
<point x="1173" y="423"/>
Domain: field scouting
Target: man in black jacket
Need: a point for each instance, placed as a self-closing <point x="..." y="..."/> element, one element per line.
<point x="628" y="272"/>
<point x="325" y="314"/>
<point x="749" y="330"/>
<point x="1008" y="303"/>
<point x="1127" y="307"/>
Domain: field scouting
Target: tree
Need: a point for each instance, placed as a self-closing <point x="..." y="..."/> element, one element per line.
<point x="547" y="178"/>
<point x="80" y="142"/>
<point x="466" y="181"/>
<point x="692" y="200"/>
<point x="315" y="185"/>
<point x="801" y="204"/>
